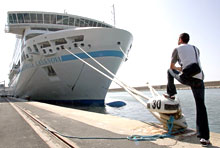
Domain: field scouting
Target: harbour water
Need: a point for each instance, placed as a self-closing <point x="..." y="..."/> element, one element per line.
<point x="135" y="110"/>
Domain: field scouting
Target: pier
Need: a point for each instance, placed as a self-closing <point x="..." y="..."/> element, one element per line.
<point x="33" y="124"/>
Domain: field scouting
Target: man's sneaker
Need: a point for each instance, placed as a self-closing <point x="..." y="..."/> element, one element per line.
<point x="204" y="142"/>
<point x="169" y="97"/>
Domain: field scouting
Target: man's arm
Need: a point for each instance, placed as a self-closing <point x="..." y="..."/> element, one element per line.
<point x="172" y="66"/>
<point x="174" y="59"/>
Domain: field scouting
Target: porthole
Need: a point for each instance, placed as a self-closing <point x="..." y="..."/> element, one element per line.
<point x="75" y="45"/>
<point x="51" y="50"/>
<point x="44" y="51"/>
<point x="82" y="44"/>
<point x="35" y="48"/>
<point x="58" y="48"/>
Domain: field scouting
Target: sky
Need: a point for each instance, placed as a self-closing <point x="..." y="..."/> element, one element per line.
<point x="154" y="24"/>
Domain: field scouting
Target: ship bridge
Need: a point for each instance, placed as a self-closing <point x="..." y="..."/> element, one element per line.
<point x="18" y="21"/>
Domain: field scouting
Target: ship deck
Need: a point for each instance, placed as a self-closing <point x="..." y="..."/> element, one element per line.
<point x="18" y="21"/>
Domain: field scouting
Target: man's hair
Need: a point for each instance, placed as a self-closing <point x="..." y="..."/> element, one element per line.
<point x="184" y="37"/>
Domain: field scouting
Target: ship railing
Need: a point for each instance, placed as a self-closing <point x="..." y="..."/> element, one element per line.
<point x="50" y="18"/>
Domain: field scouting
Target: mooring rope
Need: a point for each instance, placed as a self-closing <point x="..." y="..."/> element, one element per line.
<point x="133" y="90"/>
<point x="126" y="56"/>
<point x="169" y="134"/>
<point x="107" y="76"/>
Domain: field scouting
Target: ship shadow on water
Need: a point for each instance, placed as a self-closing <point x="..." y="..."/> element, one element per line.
<point x="92" y="107"/>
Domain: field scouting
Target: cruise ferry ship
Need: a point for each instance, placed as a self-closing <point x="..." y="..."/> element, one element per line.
<point x="42" y="68"/>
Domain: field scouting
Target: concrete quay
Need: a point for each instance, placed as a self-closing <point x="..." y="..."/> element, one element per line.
<point x="33" y="124"/>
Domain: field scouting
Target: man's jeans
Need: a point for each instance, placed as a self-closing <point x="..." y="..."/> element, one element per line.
<point x="198" y="90"/>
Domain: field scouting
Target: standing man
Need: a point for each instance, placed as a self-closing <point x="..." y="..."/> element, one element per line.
<point x="186" y="54"/>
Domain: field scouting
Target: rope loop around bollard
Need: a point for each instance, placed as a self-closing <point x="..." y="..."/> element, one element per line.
<point x="158" y="136"/>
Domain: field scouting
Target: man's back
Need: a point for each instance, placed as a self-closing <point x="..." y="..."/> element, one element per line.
<point x="186" y="55"/>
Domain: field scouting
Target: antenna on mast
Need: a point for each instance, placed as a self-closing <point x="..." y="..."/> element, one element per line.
<point x="113" y="6"/>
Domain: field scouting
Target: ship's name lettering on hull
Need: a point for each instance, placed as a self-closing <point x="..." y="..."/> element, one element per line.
<point x="42" y="62"/>
<point x="48" y="61"/>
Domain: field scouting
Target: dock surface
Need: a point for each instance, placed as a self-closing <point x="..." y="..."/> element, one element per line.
<point x="34" y="124"/>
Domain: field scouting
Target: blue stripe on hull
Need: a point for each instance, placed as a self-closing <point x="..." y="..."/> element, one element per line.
<point x="105" y="53"/>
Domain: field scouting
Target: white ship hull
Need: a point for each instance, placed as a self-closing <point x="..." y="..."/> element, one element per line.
<point x="73" y="80"/>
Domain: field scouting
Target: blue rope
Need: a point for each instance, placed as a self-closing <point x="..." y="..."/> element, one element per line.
<point x="133" y="137"/>
<point x="155" y="137"/>
<point x="170" y="125"/>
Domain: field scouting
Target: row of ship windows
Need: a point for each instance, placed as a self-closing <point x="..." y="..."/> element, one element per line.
<point x="50" y="50"/>
<point x="62" y="41"/>
<point x="53" y="19"/>
<point x="62" y="47"/>
<point x="57" y="42"/>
